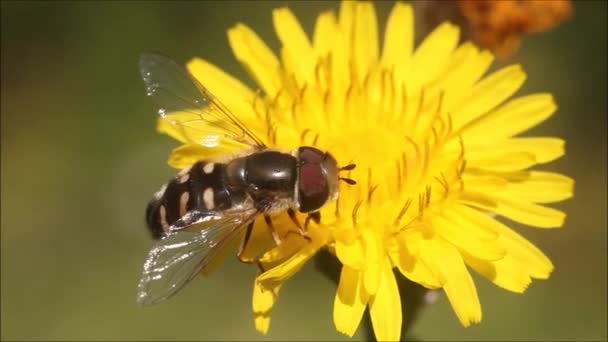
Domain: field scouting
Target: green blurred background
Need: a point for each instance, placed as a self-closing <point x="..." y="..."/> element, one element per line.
<point x="81" y="158"/>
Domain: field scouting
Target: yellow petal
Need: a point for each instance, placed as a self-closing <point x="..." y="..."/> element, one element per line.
<point x="373" y="259"/>
<point x="256" y="57"/>
<point x="365" y="39"/>
<point x="280" y="273"/>
<point x="290" y="245"/>
<point x="399" y="35"/>
<point x="506" y="273"/>
<point x="350" y="301"/>
<point x="512" y="118"/>
<point x="296" y="45"/>
<point x="462" y="236"/>
<point x="430" y="57"/>
<point x="476" y="223"/>
<point x="351" y="252"/>
<point x="541" y="187"/>
<point x="483" y="97"/>
<point x="465" y="66"/>
<point x="515" y="209"/>
<point x="385" y="307"/>
<point x="528" y="186"/>
<point x="340" y="73"/>
<point x="458" y="286"/>
<point x="230" y="91"/>
<point x="409" y="264"/>
<point x="325" y="29"/>
<point x="503" y="161"/>
<point x="530" y="213"/>
<point x="262" y="302"/>
<point x="535" y="262"/>
<point x="543" y="149"/>
<point x="346" y="20"/>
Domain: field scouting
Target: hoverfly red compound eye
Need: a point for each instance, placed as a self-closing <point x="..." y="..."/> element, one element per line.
<point x="313" y="187"/>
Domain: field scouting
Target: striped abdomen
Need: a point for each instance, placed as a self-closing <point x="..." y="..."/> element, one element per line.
<point x="200" y="187"/>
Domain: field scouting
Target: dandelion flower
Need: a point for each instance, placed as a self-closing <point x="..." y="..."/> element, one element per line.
<point x="438" y="160"/>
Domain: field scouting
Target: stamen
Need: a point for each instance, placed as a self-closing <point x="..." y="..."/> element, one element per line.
<point x="321" y="73"/>
<point x="420" y="102"/>
<point x="388" y="90"/>
<point x="354" y="214"/>
<point x="254" y="103"/>
<point x="300" y="96"/>
<point x="401" y="117"/>
<point x="275" y="100"/>
<point x="409" y="224"/>
<point x="314" y="142"/>
<point x="460" y="184"/>
<point x="461" y="143"/>
<point x="425" y="159"/>
<point x="370" y="188"/>
<point x="440" y="103"/>
<point x="444" y="184"/>
<point x="370" y="192"/>
<point x="337" y="211"/>
<point x="294" y="105"/>
<point x="303" y="135"/>
<point x="366" y="79"/>
<point x="326" y="102"/>
<point x="462" y="167"/>
<point x="398" y="176"/>
<point x="416" y="148"/>
<point x="450" y="125"/>
<point x="429" y="121"/>
<point x="348" y="98"/>
<point x="461" y="156"/>
<point x="274" y="135"/>
<point x="269" y="125"/>
<point x="403" y="211"/>
<point x="405" y="169"/>
<point x="435" y="136"/>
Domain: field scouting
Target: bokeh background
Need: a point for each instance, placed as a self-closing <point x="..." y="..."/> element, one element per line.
<point x="81" y="158"/>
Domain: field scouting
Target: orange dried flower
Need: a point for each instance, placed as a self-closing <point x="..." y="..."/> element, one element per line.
<point x="500" y="24"/>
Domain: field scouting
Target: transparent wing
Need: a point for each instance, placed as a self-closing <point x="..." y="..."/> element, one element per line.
<point x="181" y="255"/>
<point x="196" y="115"/>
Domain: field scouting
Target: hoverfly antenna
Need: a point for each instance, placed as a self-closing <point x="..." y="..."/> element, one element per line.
<point x="347" y="167"/>
<point x="348" y="180"/>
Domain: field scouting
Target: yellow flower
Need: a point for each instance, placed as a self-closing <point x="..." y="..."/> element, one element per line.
<point x="436" y="153"/>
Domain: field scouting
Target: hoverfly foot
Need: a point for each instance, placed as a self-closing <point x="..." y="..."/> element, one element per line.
<point x="275" y="235"/>
<point x="301" y="233"/>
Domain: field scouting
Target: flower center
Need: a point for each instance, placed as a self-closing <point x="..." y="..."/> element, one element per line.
<point x="400" y="139"/>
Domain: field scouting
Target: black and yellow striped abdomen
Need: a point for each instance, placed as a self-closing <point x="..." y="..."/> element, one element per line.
<point x="199" y="187"/>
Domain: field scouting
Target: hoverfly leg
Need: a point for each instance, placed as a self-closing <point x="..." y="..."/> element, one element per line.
<point x="244" y="245"/>
<point x="275" y="235"/>
<point x="316" y="217"/>
<point x="301" y="231"/>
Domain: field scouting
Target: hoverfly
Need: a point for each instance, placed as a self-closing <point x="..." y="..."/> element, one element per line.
<point x="208" y="205"/>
